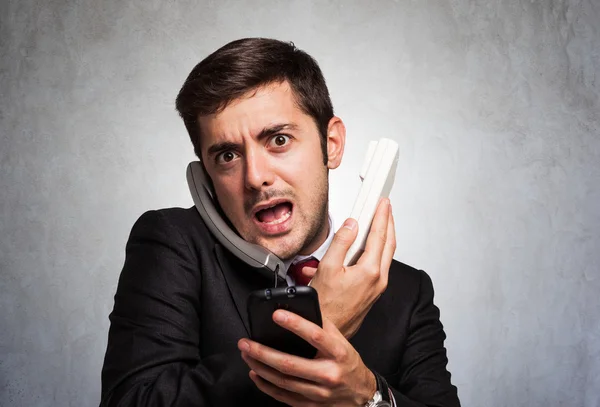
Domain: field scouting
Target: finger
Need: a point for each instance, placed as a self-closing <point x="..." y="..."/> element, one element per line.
<point x="285" y="363"/>
<point x="309" y="271"/>
<point x="279" y="394"/>
<point x="325" y="341"/>
<point x="389" y="249"/>
<point x="377" y="235"/>
<point x="340" y="244"/>
<point x="309" y="389"/>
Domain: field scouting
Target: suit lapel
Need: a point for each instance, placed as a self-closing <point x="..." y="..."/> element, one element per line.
<point x="241" y="280"/>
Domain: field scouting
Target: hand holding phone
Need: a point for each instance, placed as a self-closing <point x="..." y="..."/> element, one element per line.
<point x="347" y="293"/>
<point x="336" y="376"/>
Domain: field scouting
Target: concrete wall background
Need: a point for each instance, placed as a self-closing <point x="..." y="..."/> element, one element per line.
<point x="496" y="109"/>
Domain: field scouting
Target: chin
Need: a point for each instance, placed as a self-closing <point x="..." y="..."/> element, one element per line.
<point x="280" y="248"/>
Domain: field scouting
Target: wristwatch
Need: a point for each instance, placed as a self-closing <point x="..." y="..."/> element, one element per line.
<point x="382" y="395"/>
<point x="377" y="401"/>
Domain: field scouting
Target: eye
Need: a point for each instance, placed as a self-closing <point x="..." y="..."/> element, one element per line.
<point x="280" y="140"/>
<point x="225" y="157"/>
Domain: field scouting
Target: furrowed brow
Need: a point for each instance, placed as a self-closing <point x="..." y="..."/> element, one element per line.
<point x="219" y="147"/>
<point x="270" y="131"/>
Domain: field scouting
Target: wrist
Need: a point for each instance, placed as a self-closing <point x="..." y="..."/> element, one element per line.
<point x="369" y="388"/>
<point x="372" y="384"/>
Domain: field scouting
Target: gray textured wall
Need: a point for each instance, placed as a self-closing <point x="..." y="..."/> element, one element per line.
<point x="496" y="109"/>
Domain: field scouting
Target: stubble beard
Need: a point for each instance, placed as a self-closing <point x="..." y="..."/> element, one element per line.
<point x="315" y="224"/>
<point x="319" y="222"/>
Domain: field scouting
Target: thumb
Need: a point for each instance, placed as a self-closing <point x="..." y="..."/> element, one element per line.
<point x="309" y="271"/>
<point x="342" y="241"/>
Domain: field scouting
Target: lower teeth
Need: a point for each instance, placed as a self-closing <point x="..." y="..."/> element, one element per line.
<point x="282" y="219"/>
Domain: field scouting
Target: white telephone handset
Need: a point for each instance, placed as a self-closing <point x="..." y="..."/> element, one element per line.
<point x="377" y="175"/>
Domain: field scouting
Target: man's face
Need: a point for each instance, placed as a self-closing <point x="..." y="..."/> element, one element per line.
<point x="264" y="157"/>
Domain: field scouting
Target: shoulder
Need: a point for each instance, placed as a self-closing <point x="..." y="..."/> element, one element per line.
<point x="175" y="228"/>
<point x="184" y="222"/>
<point x="408" y="281"/>
<point x="174" y="216"/>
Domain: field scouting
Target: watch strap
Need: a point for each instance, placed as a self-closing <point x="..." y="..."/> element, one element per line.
<point x="382" y="387"/>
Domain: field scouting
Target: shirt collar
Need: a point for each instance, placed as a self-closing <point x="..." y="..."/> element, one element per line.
<point x="317" y="254"/>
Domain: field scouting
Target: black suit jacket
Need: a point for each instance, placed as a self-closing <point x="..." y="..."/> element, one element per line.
<point x="180" y="308"/>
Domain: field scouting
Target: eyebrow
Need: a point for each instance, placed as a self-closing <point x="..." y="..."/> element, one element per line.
<point x="266" y="132"/>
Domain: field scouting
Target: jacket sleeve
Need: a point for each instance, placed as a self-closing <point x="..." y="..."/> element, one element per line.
<point x="152" y="357"/>
<point x="425" y="380"/>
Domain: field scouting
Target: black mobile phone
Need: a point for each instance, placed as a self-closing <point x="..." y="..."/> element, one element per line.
<point x="301" y="300"/>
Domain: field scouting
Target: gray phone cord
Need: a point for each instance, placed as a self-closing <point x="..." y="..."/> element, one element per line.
<point x="276" y="274"/>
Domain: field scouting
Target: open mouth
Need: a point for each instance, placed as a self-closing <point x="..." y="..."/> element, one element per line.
<point x="275" y="214"/>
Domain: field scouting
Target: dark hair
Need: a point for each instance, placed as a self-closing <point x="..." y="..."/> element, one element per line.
<point x="245" y="65"/>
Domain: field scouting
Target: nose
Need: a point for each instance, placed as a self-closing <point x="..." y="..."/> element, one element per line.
<point x="258" y="172"/>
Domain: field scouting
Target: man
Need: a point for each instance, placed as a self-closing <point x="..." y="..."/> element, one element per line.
<point x="260" y="118"/>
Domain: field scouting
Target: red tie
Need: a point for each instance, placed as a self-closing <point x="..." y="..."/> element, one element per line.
<point x="295" y="270"/>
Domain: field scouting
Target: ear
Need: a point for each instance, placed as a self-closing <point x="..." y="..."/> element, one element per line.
<point x="336" y="140"/>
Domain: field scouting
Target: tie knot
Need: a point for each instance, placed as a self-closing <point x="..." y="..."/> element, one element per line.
<point x="295" y="270"/>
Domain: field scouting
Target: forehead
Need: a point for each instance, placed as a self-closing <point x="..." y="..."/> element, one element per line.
<point x="250" y="114"/>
